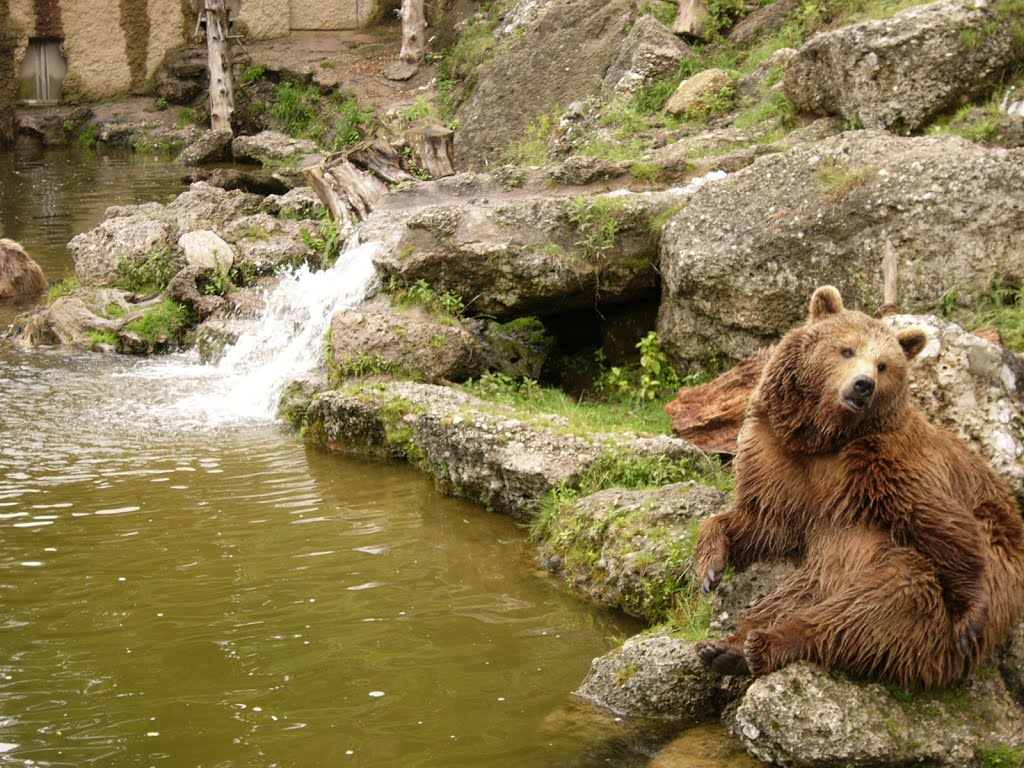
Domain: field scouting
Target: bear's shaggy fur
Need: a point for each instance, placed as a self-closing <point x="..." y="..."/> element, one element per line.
<point x="19" y="274"/>
<point x="911" y="548"/>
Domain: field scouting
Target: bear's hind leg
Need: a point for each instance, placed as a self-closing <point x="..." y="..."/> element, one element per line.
<point x="889" y="623"/>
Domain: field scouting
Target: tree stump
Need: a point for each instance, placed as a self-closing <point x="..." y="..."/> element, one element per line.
<point x="414" y="25"/>
<point x="381" y="159"/>
<point x="432" y="150"/>
<point x="691" y="18"/>
<point x="218" y="47"/>
<point x="348" y="192"/>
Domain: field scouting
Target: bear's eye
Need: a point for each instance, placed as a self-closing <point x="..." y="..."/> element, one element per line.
<point x="882" y="367"/>
<point x="847" y="352"/>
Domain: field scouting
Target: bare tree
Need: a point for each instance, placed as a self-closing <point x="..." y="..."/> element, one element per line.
<point x="414" y="25"/>
<point x="218" y="46"/>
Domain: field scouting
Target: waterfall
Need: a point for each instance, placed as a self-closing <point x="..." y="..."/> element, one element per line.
<point x="284" y="344"/>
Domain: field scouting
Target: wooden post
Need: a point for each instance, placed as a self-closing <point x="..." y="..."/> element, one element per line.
<point x="218" y="46"/>
<point x="890" y="281"/>
<point x="414" y="25"/>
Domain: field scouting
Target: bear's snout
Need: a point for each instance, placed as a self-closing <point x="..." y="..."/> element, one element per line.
<point x="857" y="396"/>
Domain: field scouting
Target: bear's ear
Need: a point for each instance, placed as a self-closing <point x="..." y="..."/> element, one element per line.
<point x="825" y="301"/>
<point x="912" y="340"/>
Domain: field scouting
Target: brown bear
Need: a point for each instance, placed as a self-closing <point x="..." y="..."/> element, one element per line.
<point x="910" y="547"/>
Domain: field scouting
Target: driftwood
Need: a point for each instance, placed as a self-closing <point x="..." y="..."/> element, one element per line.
<point x="432" y="150"/>
<point x="710" y="415"/>
<point x="691" y="17"/>
<point x="348" y="192"/>
<point x="218" y="46"/>
<point x="381" y="159"/>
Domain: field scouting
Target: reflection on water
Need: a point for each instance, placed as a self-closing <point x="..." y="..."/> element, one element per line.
<point x="229" y="598"/>
<point x="48" y="196"/>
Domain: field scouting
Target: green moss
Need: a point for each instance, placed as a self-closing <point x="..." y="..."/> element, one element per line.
<point x="104" y="338"/>
<point x="445" y="306"/>
<point x="164" y="325"/>
<point x="398" y="417"/>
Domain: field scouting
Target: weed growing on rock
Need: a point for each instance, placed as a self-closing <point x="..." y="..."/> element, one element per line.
<point x="1002" y="306"/>
<point x="350" y="121"/>
<point x="102" y="338"/>
<point x="445" y="306"/>
<point x="296" y="108"/>
<point x="1000" y="757"/>
<point x="653" y="379"/>
<point x="149" y="276"/>
<point x="89" y="137"/>
<point x="326" y="241"/>
<point x="597" y="222"/>
<point x="252" y="74"/>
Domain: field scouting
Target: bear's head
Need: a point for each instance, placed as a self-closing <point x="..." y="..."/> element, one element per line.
<point x="840" y="376"/>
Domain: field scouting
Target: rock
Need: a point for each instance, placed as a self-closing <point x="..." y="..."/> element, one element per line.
<point x="491" y="454"/>
<point x="409" y="343"/>
<point x="743" y="590"/>
<point x="206" y="250"/>
<point x="649" y="53"/>
<point x="804" y="717"/>
<point x="691" y="18"/>
<point x="763" y="21"/>
<point x="185" y="288"/>
<point x="254" y="182"/>
<point x="204" y="206"/>
<point x="129" y="233"/>
<point x="401" y="70"/>
<point x="975" y="389"/>
<point x="177" y="90"/>
<point x="528" y="79"/>
<point x="704" y="746"/>
<point x="902" y="72"/>
<point x="297" y="203"/>
<point x="211" y="147"/>
<point x="269" y="146"/>
<point x="1011" y="663"/>
<point x="658" y="676"/>
<point x="756" y="83"/>
<point x="631" y="549"/>
<point x="263" y="243"/>
<point x="19" y="273"/>
<point x="739" y="261"/>
<point x="73" y="319"/>
<point x="527" y="256"/>
<point x="710" y="415"/>
<point x="696" y="93"/>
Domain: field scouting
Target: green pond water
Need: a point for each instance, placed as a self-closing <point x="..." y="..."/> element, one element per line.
<point x="185" y="595"/>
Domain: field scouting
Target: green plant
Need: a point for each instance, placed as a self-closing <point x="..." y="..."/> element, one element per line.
<point x="61" y="288"/>
<point x="533" y="150"/>
<point x="89" y="137"/>
<point x="1002" y="306"/>
<point x="663" y="11"/>
<point x="328" y="64"/>
<point x="150" y="275"/>
<point x="419" y="109"/>
<point x="653" y="379"/>
<point x="326" y="241"/>
<point x="296" y="109"/>
<point x="446" y="305"/>
<point x="1000" y="757"/>
<point x="947" y="304"/>
<point x="160" y="105"/>
<point x="252" y="74"/>
<point x="162" y="326"/>
<point x="350" y="121"/>
<point x="597" y="222"/>
<point x="189" y="116"/>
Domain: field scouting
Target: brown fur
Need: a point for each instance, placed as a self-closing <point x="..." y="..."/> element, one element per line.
<point x="911" y="547"/>
<point x="19" y="274"/>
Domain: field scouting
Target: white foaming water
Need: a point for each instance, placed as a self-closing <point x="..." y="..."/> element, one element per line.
<point x="284" y="344"/>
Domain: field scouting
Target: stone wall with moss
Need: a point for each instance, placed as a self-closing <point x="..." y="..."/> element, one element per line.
<point x="8" y="88"/>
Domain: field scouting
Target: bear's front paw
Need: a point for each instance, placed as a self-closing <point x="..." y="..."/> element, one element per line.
<point x="724" y="658"/>
<point x="970" y="628"/>
<point x="711" y="572"/>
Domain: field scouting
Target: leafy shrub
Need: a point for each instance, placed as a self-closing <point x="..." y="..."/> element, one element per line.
<point x="149" y="276"/>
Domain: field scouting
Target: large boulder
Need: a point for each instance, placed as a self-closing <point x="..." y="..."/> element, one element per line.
<point x="127" y="233"/>
<point x="739" y="262"/>
<point x="649" y="53"/>
<point x="494" y="455"/>
<point x="561" y="57"/>
<point x="541" y="255"/>
<point x="210" y="147"/>
<point x="269" y="147"/>
<point x="902" y="72"/>
<point x="19" y="274"/>
<point x="804" y="717"/>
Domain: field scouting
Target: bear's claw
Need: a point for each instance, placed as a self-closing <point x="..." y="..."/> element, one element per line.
<point x="710" y="582"/>
<point x="723" y="658"/>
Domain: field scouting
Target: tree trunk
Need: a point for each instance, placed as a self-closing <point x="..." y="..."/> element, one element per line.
<point x="381" y="159"/>
<point x="414" y="25"/>
<point x="348" y="192"/>
<point x="218" y="46"/>
<point x="691" y="18"/>
<point x="431" y="150"/>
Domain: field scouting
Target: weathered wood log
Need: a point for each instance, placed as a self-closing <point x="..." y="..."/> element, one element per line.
<point x="691" y="18"/>
<point x="432" y="150"/>
<point x="380" y="158"/>
<point x="218" y="47"/>
<point x="710" y="415"/>
<point x="348" y="192"/>
<point x="414" y="25"/>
